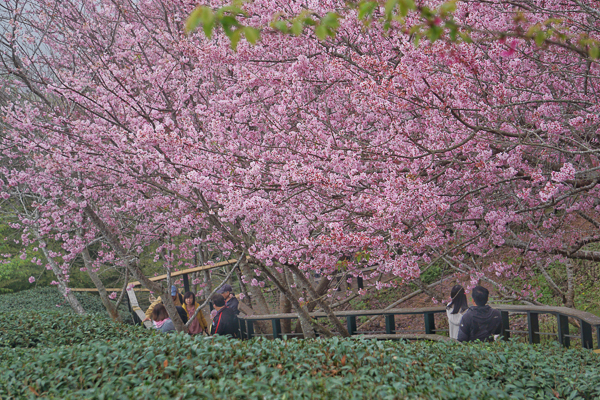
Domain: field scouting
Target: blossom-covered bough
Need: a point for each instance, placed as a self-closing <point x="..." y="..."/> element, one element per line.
<point x="328" y="151"/>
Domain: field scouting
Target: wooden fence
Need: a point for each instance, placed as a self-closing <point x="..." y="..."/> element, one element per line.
<point x="589" y="323"/>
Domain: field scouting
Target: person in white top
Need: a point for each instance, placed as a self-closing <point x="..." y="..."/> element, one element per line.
<point x="456" y="309"/>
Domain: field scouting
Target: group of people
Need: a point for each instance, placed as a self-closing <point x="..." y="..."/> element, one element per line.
<point x="478" y="322"/>
<point x="224" y="314"/>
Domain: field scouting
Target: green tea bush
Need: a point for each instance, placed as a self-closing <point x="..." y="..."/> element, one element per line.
<point x="54" y="328"/>
<point x="47" y="298"/>
<point x="180" y="367"/>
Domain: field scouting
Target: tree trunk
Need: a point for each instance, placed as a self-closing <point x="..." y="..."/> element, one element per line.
<point x="303" y="325"/>
<point x="320" y="301"/>
<point x="259" y="305"/>
<point x="62" y="284"/>
<point x="570" y="295"/>
<point x="285" y="307"/>
<point x="553" y="286"/>
<point x="134" y="268"/>
<point x="308" y="324"/>
<point x="110" y="308"/>
<point x="321" y="290"/>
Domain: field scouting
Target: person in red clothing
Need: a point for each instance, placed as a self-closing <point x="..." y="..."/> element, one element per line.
<point x="225" y="321"/>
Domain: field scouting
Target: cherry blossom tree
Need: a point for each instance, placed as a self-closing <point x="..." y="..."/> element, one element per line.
<point x="311" y="154"/>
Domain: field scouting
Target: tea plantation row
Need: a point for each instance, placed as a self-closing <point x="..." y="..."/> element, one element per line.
<point x="59" y="355"/>
<point x="47" y="298"/>
<point x="177" y="366"/>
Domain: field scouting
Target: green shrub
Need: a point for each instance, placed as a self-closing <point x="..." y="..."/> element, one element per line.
<point x="178" y="366"/>
<point x="54" y="328"/>
<point x="47" y="298"/>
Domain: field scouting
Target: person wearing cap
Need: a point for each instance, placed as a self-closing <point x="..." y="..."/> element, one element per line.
<point x="177" y="299"/>
<point x="230" y="300"/>
<point x="225" y="321"/>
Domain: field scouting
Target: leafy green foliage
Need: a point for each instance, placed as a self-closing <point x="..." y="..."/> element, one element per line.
<point x="31" y="318"/>
<point x="227" y="18"/>
<point x="230" y="18"/>
<point x="47" y="298"/>
<point x="432" y="24"/>
<point x="15" y="271"/>
<point x="55" y="328"/>
<point x="178" y="366"/>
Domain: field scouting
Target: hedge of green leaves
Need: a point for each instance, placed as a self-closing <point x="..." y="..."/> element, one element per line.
<point x="54" y="328"/>
<point x="47" y="298"/>
<point x="179" y="367"/>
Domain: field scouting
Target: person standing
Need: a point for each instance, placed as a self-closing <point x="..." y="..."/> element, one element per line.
<point x="199" y="324"/>
<point x="230" y="300"/>
<point x="480" y="322"/>
<point x="225" y="321"/>
<point x="456" y="309"/>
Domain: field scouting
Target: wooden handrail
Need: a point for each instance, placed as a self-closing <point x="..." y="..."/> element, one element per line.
<point x="107" y="289"/>
<point x="587" y="321"/>
<point x="189" y="271"/>
<point x="569" y="312"/>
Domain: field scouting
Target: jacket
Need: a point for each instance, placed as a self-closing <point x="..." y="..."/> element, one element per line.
<point x="178" y="302"/>
<point x="480" y="323"/>
<point x="225" y="323"/>
<point x="233" y="304"/>
<point x="167" y="327"/>
<point x="453" y="321"/>
<point x="199" y="316"/>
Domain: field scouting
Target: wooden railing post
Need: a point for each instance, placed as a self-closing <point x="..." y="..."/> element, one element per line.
<point x="276" y="328"/>
<point x="587" y="340"/>
<point x="598" y="336"/>
<point x="186" y="283"/>
<point x="359" y="282"/>
<point x="505" y="325"/>
<point x="250" y="329"/>
<point x="429" y="323"/>
<point x="390" y="324"/>
<point x="242" y="324"/>
<point x="351" y="324"/>
<point x="533" y="325"/>
<point x="563" y="330"/>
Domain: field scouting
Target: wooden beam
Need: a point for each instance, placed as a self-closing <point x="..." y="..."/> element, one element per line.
<point x="189" y="271"/>
<point x="107" y="289"/>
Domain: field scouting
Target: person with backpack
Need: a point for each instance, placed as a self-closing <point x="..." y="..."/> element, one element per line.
<point x="225" y="322"/>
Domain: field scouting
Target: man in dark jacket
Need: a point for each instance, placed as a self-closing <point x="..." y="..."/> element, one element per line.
<point x="225" y="321"/>
<point x="480" y="322"/>
<point x="230" y="300"/>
